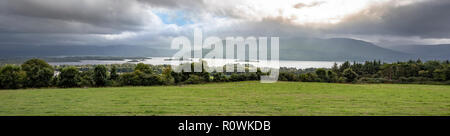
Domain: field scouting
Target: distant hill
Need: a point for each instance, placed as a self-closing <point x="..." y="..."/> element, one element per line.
<point x="54" y="50"/>
<point x="336" y="49"/>
<point x="441" y="51"/>
<point x="307" y="49"/>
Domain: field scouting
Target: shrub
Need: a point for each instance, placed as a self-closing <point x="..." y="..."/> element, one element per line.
<point x="285" y="76"/>
<point x="254" y="76"/>
<point x="139" y="78"/>
<point x="373" y="80"/>
<point x="332" y="77"/>
<point x="219" y="77"/>
<point x="194" y="79"/>
<point x="350" y="75"/>
<point x="322" y="74"/>
<point x="11" y="77"/>
<point x="342" y="80"/>
<point x="414" y="79"/>
<point x="237" y="77"/>
<point x="69" y="77"/>
<point x="308" y="77"/>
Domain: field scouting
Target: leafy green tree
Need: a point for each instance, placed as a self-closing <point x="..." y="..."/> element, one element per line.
<point x="11" y="77"/>
<point x="167" y="77"/>
<point x="129" y="79"/>
<point x="350" y="75"/>
<point x="87" y="78"/>
<point x="113" y="74"/>
<point x="439" y="75"/>
<point x="332" y="77"/>
<point x="144" y="68"/>
<point x="69" y="77"/>
<point x="38" y="73"/>
<point x="322" y="74"/>
<point x="100" y="75"/>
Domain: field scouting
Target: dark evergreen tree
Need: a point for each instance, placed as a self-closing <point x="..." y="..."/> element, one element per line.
<point x="100" y="75"/>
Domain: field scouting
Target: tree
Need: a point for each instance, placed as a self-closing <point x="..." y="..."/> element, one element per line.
<point x="332" y="77"/>
<point x="322" y="74"/>
<point x="87" y="78"/>
<point x="100" y="75"/>
<point x="344" y="66"/>
<point x="350" y="75"/>
<point x="11" y="77"/>
<point x="439" y="75"/>
<point x="387" y="71"/>
<point x="69" y="77"/>
<point x="144" y="68"/>
<point x="167" y="77"/>
<point x="335" y="68"/>
<point x="38" y="73"/>
<point x="129" y="79"/>
<point x="114" y="75"/>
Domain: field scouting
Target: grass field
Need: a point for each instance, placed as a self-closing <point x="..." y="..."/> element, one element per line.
<point x="238" y="98"/>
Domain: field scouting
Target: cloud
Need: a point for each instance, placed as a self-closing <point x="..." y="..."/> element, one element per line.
<point x="425" y="19"/>
<point x="97" y="16"/>
<point x="155" y="22"/>
<point x="303" y="5"/>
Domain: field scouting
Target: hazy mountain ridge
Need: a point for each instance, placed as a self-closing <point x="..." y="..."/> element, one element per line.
<point x="54" y="50"/>
<point x="336" y="49"/>
<point x="440" y="51"/>
<point x="312" y="49"/>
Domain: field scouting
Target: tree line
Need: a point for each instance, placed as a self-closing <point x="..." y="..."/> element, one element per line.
<point x="36" y="73"/>
<point x="429" y="72"/>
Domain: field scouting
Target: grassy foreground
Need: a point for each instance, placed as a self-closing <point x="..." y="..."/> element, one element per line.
<point x="238" y="98"/>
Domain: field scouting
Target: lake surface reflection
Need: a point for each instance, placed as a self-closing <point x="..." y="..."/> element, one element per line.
<point x="211" y="62"/>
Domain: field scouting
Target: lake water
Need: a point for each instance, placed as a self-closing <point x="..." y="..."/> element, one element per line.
<point x="211" y="62"/>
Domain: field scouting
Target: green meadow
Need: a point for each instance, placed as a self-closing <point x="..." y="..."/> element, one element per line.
<point x="232" y="98"/>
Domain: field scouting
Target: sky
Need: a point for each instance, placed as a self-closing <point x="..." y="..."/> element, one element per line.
<point x="154" y="23"/>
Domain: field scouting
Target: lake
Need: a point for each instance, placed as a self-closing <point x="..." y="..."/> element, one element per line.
<point x="211" y="62"/>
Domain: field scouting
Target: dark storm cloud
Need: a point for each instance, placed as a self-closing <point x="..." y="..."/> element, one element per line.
<point x="427" y="19"/>
<point x="71" y="16"/>
<point x="86" y="22"/>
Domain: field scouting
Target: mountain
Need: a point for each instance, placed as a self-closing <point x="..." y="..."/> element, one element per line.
<point x="55" y="50"/>
<point x="439" y="52"/>
<point x="306" y="49"/>
<point x="336" y="49"/>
